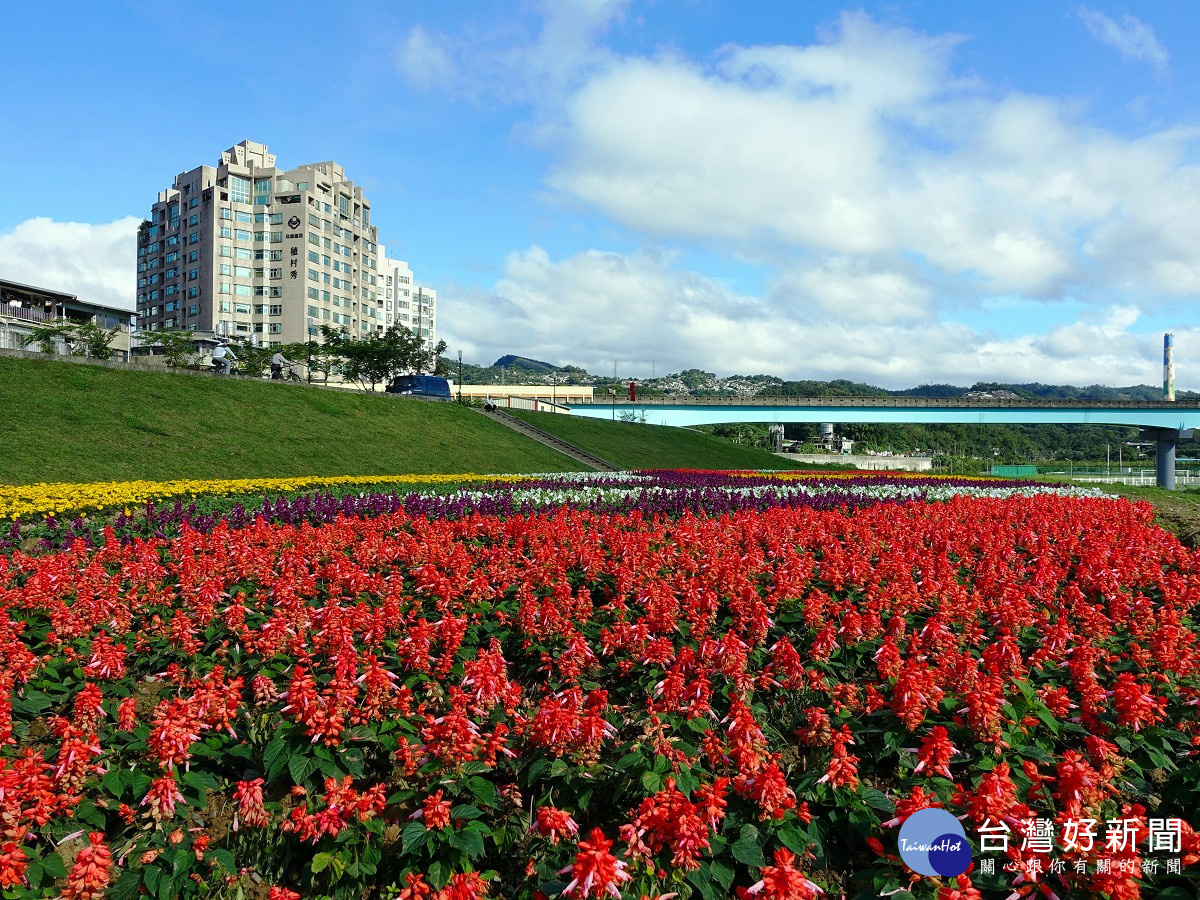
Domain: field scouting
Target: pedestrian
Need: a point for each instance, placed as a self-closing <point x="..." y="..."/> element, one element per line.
<point x="223" y="358"/>
<point x="278" y="361"/>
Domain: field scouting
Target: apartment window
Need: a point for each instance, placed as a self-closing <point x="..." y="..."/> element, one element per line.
<point x="224" y="287"/>
<point x="224" y="269"/>
<point x="239" y="189"/>
<point x="224" y="306"/>
<point x="261" y="236"/>
<point x="193" y="274"/>
<point x="194" y="256"/>
<point x="193" y="310"/>
<point x="193" y="220"/>
<point x="276" y="237"/>
<point x="194" y="237"/>
<point x="314" y="256"/>
<point x="242" y="290"/>
<point x="314" y="238"/>
<point x="314" y="220"/>
<point x="193" y="292"/>
<point x="242" y="327"/>
<point x="258" y="273"/>
<point x="276" y="328"/>
<point x="241" y="309"/>
<point x="276" y="309"/>
<point x="225" y="231"/>
<point x="260" y="309"/>
<point x="194" y="203"/>
<point x="226" y="213"/>
<point x="312" y="311"/>
<point x="276" y="254"/>
<point x="276" y="218"/>
<point x="171" y="306"/>
<point x="276" y="292"/>
<point x="243" y="253"/>
<point x="276" y="273"/>
<point x="242" y="216"/>
<point x="241" y="271"/>
<point x="241" y="234"/>
<point x="314" y="275"/>
<point x="312" y="293"/>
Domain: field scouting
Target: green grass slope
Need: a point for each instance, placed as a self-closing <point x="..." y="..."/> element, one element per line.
<point x="637" y="446"/>
<point x="80" y="423"/>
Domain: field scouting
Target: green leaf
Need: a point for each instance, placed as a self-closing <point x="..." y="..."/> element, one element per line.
<point x="465" y="811"/>
<point x="746" y="849"/>
<point x="225" y="859"/>
<point x="52" y="865"/>
<point x="127" y="886"/>
<point x="275" y="757"/>
<point x="485" y="792"/>
<point x="722" y="873"/>
<point x="702" y="879"/>
<point x="33" y="873"/>
<point x="414" y="836"/>
<point x="300" y="767"/>
<point x="152" y="876"/>
<point x="439" y="874"/>
<point x="878" y="799"/>
<point x="469" y="841"/>
<point x="651" y="782"/>
<point x="321" y="862"/>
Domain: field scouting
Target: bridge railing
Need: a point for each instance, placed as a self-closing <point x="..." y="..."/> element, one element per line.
<point x="895" y="402"/>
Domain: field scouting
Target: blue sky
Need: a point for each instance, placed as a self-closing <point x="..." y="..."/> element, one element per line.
<point x="897" y="193"/>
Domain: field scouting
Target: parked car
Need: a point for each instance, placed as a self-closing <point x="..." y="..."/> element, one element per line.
<point x="429" y="387"/>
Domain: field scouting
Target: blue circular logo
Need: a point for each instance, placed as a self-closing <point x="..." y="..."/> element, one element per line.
<point x="933" y="842"/>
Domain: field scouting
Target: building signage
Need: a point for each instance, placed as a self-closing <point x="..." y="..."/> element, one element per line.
<point x="294" y="222"/>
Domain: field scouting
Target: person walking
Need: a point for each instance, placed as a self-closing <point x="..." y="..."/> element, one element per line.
<point x="223" y="358"/>
<point x="278" y="361"/>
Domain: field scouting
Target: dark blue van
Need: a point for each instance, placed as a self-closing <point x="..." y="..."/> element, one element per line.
<point x="428" y="386"/>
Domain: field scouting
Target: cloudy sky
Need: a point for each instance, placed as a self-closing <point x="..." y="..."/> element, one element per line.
<point x="898" y="193"/>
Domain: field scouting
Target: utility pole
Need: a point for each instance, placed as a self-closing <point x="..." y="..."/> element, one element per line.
<point x="460" y="376"/>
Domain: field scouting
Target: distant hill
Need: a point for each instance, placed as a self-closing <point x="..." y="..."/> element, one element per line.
<point x="525" y="364"/>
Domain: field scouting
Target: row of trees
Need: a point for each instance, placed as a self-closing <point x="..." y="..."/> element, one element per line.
<point x="368" y="362"/>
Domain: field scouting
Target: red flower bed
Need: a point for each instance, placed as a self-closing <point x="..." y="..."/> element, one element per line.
<point x="585" y="705"/>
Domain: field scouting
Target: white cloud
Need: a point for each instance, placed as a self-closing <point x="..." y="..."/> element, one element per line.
<point x="517" y="62"/>
<point x="424" y="60"/>
<point x="640" y="310"/>
<point x="95" y="262"/>
<point x="1134" y="39"/>
<point x="867" y="145"/>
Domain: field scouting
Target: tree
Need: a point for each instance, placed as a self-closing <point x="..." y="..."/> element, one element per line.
<point x="253" y="361"/>
<point x="178" y="347"/>
<point x="45" y="335"/>
<point x="93" y="341"/>
<point x="382" y="355"/>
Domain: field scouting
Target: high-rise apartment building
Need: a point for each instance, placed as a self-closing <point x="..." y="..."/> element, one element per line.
<point x="247" y="250"/>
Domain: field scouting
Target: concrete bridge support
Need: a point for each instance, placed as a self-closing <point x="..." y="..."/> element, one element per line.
<point x="1165" y="440"/>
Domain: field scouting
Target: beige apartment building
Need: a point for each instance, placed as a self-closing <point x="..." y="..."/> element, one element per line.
<point x="256" y="253"/>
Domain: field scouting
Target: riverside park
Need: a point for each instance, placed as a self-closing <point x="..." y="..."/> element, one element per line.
<point x="387" y="648"/>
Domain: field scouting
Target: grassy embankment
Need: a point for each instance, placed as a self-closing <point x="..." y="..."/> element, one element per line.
<point x="80" y="423"/>
<point x="637" y="446"/>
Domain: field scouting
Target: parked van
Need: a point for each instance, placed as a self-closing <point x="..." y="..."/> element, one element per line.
<point x="428" y="386"/>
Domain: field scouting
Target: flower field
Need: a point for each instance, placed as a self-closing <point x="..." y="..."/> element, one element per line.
<point x="646" y="685"/>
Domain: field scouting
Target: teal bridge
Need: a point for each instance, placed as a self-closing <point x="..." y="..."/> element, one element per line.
<point x="1162" y="421"/>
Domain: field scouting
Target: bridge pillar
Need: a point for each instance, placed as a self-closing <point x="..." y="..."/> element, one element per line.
<point x="1165" y="440"/>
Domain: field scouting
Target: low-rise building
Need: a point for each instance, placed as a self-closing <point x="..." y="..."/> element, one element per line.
<point x="25" y="308"/>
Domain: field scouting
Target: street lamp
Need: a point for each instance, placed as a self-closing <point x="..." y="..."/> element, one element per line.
<point x="612" y="393"/>
<point x="460" y="376"/>
<point x="554" y="391"/>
